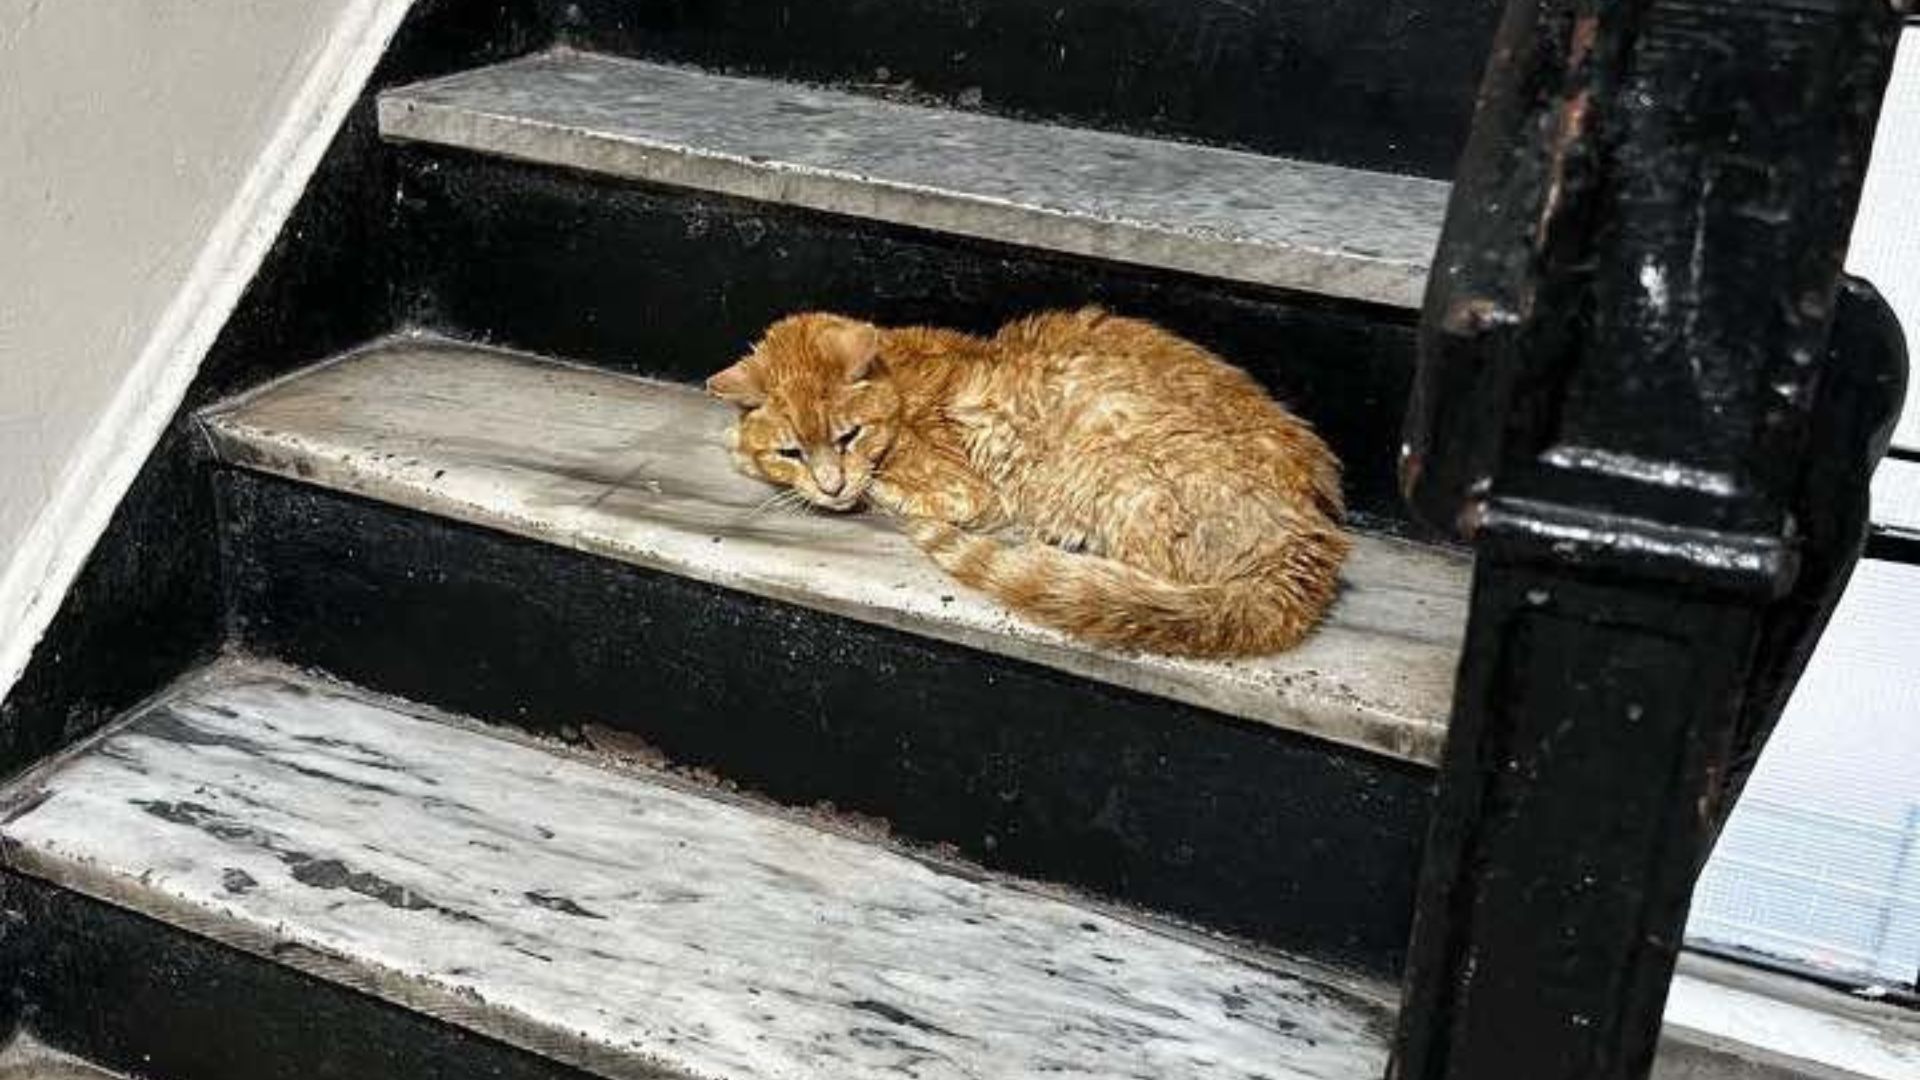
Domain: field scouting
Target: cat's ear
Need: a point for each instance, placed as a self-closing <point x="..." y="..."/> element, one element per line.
<point x="739" y="384"/>
<point x="855" y="344"/>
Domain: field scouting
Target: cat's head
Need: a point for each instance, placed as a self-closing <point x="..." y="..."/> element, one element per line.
<point x="818" y="409"/>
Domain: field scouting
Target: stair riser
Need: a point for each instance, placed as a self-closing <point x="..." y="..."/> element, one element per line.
<point x="145" y="606"/>
<point x="10" y="1002"/>
<point x="1290" y="840"/>
<point x="147" y="999"/>
<point x="676" y="284"/>
<point x="1387" y="85"/>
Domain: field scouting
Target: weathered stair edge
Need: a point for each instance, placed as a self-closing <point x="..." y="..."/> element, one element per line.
<point x="56" y="852"/>
<point x="173" y="988"/>
<point x="180" y="1004"/>
<point x="1344" y="233"/>
<point x="276" y="1020"/>
<point x="409" y="994"/>
<point x="77" y="891"/>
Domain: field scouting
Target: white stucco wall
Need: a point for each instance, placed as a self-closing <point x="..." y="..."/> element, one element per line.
<point x="149" y="150"/>
<point x="126" y="129"/>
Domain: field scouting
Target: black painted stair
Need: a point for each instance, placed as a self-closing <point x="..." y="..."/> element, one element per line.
<point x="648" y="220"/>
<point x="450" y="449"/>
<point x="552" y="546"/>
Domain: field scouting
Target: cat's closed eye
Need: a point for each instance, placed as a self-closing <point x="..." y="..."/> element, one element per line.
<point x="791" y="453"/>
<point x="846" y="437"/>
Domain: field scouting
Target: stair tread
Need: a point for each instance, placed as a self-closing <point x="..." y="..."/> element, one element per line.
<point x="635" y="470"/>
<point x="627" y="923"/>
<point x="1325" y="229"/>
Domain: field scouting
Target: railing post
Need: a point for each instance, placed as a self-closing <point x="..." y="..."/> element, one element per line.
<point x="1651" y="401"/>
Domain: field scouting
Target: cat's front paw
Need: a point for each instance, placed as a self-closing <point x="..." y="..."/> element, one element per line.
<point x="886" y="497"/>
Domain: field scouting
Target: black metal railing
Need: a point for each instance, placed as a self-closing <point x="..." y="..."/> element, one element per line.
<point x="1652" y="401"/>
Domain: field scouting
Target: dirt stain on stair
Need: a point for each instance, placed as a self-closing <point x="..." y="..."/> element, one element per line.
<point x="896" y="1015"/>
<point x="562" y="905"/>
<point x="309" y="870"/>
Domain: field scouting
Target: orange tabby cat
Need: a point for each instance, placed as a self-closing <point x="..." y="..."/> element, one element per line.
<point x="1167" y="502"/>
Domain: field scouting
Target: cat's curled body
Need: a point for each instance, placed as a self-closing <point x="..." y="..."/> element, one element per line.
<point x="1160" y="499"/>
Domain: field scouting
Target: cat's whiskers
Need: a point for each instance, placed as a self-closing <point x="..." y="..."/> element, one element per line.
<point x="793" y="501"/>
<point x="768" y="503"/>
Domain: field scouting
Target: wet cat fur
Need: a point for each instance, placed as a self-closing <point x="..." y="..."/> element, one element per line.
<point x="1167" y="503"/>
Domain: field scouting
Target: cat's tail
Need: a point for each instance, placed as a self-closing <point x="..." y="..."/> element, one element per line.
<point x="1275" y="601"/>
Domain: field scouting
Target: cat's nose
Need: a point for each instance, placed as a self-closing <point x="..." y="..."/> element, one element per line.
<point x="829" y="477"/>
